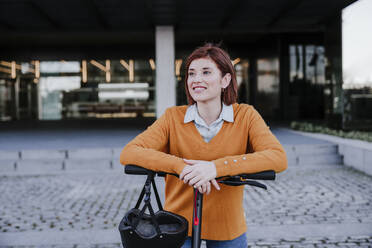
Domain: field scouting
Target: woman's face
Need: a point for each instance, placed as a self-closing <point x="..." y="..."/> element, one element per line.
<point x="205" y="81"/>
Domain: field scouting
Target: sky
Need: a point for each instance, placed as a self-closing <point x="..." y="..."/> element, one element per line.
<point x="357" y="43"/>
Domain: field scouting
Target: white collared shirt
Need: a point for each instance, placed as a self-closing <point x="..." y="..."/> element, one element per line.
<point x="208" y="132"/>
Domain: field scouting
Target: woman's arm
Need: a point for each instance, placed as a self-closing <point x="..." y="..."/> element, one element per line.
<point x="149" y="149"/>
<point x="267" y="152"/>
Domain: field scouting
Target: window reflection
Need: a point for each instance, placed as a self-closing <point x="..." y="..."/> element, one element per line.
<point x="91" y="88"/>
<point x="260" y="83"/>
<point x="312" y="64"/>
<point x="268" y="87"/>
<point x="307" y="82"/>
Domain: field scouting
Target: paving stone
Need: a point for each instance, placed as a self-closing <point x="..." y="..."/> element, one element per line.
<point x="369" y="244"/>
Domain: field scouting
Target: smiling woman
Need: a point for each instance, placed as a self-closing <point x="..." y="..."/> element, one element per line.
<point x="212" y="60"/>
<point x="204" y="77"/>
<point x="212" y="137"/>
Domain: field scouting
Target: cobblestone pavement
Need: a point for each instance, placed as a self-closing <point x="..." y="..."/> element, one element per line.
<point x="317" y="242"/>
<point x="97" y="201"/>
<point x="331" y="195"/>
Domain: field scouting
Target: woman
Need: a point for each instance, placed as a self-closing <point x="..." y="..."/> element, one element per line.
<point x="211" y="137"/>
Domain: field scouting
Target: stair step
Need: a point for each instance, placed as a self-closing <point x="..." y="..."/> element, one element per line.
<point x="103" y="159"/>
<point x="45" y="166"/>
<point x="9" y="155"/>
<point x="7" y="165"/>
<point x="94" y="153"/>
<point x="39" y="166"/>
<point x="85" y="164"/>
<point x="311" y="149"/>
<point x="314" y="154"/>
<point x="43" y="154"/>
<point x="319" y="159"/>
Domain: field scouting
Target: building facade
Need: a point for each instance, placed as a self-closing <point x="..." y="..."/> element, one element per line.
<point x="116" y="59"/>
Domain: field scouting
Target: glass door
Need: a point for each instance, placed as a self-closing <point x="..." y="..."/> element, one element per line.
<point x="267" y="98"/>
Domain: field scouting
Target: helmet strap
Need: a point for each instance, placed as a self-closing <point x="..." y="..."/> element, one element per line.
<point x="146" y="192"/>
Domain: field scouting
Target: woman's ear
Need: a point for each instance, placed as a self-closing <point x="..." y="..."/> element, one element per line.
<point x="226" y="80"/>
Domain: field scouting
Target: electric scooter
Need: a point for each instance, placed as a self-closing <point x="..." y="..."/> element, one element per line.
<point x="243" y="179"/>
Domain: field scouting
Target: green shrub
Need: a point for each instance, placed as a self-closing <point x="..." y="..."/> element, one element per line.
<point x="309" y="127"/>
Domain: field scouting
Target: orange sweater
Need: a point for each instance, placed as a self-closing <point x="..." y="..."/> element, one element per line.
<point x="244" y="146"/>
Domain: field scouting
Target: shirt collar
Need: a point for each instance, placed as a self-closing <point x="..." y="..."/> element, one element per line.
<point x="227" y="113"/>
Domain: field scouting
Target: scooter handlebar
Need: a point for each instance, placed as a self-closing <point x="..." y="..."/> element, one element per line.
<point x="135" y="170"/>
<point x="264" y="175"/>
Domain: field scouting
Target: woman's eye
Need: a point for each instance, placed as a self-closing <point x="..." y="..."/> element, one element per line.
<point x="191" y="74"/>
<point x="206" y="72"/>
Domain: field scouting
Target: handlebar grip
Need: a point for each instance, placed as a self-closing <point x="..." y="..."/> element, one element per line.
<point x="248" y="182"/>
<point x="132" y="169"/>
<point x="265" y="175"/>
<point x="135" y="170"/>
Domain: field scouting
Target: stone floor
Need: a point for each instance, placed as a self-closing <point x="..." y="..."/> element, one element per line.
<point x="333" y="195"/>
<point x="309" y="206"/>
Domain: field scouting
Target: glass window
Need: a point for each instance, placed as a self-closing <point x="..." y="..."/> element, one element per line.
<point x="52" y="90"/>
<point x="268" y="87"/>
<point x="313" y="64"/>
<point x="295" y="62"/>
<point x="307" y="81"/>
<point x="243" y="80"/>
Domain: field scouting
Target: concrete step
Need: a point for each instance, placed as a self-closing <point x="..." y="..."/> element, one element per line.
<point x="43" y="154"/>
<point x="319" y="159"/>
<point x="88" y="164"/>
<point x="39" y="166"/>
<point x="314" y="154"/>
<point x="7" y="165"/>
<point x="93" y="153"/>
<point x="315" y="160"/>
<point x="87" y="153"/>
<point x="311" y="149"/>
<point x="9" y="155"/>
<point x="103" y="159"/>
<point x="48" y="166"/>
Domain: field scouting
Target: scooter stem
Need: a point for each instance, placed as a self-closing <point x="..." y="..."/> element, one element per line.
<point x="197" y="219"/>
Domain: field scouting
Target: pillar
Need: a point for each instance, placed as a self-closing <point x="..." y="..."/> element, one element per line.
<point x="165" y="95"/>
<point x="333" y="51"/>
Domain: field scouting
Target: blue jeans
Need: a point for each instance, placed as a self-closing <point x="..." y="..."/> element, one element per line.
<point x="239" y="242"/>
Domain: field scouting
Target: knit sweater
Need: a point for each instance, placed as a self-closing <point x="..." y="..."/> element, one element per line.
<point x="244" y="146"/>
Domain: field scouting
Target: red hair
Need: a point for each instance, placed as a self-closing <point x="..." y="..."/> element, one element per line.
<point x="222" y="59"/>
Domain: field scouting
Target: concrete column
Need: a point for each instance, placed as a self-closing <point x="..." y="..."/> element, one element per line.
<point x="333" y="51"/>
<point x="285" y="105"/>
<point x="165" y="95"/>
<point x="39" y="102"/>
<point x="253" y="75"/>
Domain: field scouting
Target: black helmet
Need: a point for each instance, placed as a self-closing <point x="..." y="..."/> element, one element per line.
<point x="161" y="229"/>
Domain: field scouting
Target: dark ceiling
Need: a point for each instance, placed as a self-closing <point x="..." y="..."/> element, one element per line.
<point x="44" y="27"/>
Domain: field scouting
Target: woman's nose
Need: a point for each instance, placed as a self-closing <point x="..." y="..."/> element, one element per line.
<point x="197" y="77"/>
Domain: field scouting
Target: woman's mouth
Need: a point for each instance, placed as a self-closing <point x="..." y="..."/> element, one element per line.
<point x="199" y="88"/>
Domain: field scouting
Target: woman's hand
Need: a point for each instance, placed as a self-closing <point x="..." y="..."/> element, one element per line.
<point x="205" y="188"/>
<point x="200" y="174"/>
